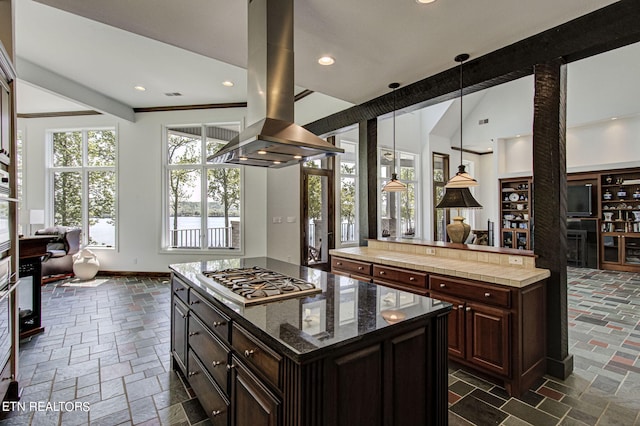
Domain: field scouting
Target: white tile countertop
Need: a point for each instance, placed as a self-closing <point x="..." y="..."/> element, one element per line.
<point x="487" y="271"/>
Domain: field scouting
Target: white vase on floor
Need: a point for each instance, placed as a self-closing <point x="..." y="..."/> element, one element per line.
<point x="85" y="265"/>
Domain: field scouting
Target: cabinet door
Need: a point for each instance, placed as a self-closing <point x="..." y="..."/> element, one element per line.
<point x="455" y="325"/>
<point x="488" y="338"/>
<point x="631" y="250"/>
<point x="179" y="333"/>
<point x="610" y="248"/>
<point x="508" y="239"/>
<point x="252" y="403"/>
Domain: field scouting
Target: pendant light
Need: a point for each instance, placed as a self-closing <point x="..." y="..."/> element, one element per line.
<point x="457" y="194"/>
<point x="394" y="185"/>
<point x="462" y="179"/>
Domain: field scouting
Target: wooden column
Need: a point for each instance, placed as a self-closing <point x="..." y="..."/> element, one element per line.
<point x="368" y="178"/>
<point x="549" y="235"/>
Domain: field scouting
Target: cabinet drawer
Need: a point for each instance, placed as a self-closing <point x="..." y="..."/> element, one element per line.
<point x="402" y="276"/>
<point x="180" y="289"/>
<point x="264" y="360"/>
<point x="210" y="316"/>
<point x="213" y="402"/>
<point x="480" y="292"/>
<point x="211" y="351"/>
<point x="355" y="266"/>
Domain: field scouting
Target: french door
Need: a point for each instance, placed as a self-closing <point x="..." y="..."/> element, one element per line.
<point x="317" y="217"/>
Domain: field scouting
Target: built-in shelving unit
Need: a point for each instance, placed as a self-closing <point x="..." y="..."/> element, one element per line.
<point x="619" y="212"/>
<point x="515" y="206"/>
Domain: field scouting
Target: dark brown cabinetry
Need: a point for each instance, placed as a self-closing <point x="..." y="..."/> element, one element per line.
<point x="515" y="208"/>
<point x="396" y="376"/>
<point x="496" y="330"/>
<point x="491" y="328"/>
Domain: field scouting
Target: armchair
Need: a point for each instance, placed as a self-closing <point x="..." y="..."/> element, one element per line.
<point x="58" y="263"/>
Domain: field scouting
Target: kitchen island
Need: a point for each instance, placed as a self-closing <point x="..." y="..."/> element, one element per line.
<point x="497" y="323"/>
<point x="345" y="353"/>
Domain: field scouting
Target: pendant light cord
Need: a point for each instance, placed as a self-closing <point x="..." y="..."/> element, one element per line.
<point x="461" y="111"/>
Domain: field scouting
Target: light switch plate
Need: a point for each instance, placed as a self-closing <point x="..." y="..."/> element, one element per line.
<point x="515" y="260"/>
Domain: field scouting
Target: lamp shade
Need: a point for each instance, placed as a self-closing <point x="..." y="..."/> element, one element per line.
<point x="394" y="185"/>
<point x="462" y="179"/>
<point x="459" y="198"/>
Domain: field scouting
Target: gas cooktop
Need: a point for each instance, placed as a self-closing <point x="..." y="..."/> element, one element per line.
<point x="259" y="285"/>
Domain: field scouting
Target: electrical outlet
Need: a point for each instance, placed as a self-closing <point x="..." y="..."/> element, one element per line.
<point x="515" y="260"/>
<point x="431" y="251"/>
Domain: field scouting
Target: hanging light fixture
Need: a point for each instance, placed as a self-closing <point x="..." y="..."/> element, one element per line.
<point x="394" y="185"/>
<point x="457" y="194"/>
<point x="462" y="179"/>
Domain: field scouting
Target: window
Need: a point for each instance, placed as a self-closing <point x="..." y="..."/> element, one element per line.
<point x="348" y="193"/>
<point x="440" y="178"/>
<point x="398" y="210"/>
<point x="203" y="200"/>
<point x="82" y="175"/>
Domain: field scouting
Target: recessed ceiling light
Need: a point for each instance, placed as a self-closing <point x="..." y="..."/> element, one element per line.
<point x="424" y="1"/>
<point x="517" y="136"/>
<point x="243" y="158"/>
<point x="140" y="88"/>
<point x="614" y="118"/>
<point x="227" y="83"/>
<point x="297" y="157"/>
<point x="276" y="162"/>
<point x="261" y="152"/>
<point x="326" y="60"/>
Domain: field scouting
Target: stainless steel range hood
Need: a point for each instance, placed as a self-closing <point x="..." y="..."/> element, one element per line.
<point x="273" y="139"/>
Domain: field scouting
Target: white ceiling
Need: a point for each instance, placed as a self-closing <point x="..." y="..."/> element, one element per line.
<point x="191" y="46"/>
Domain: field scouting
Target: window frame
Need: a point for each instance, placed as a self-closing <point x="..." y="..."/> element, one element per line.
<point x="355" y="177"/>
<point x="416" y="182"/>
<point x="84" y="171"/>
<point x="202" y="167"/>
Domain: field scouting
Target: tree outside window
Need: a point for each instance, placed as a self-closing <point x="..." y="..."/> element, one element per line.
<point x="83" y="178"/>
<point x="192" y="223"/>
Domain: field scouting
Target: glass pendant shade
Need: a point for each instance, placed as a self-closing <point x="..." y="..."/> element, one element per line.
<point x="458" y="198"/>
<point x="462" y="179"/>
<point x="394" y="185"/>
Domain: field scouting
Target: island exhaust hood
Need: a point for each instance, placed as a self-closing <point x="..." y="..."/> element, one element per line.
<point x="273" y="139"/>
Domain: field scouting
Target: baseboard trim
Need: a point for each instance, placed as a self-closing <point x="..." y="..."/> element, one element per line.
<point x="135" y="274"/>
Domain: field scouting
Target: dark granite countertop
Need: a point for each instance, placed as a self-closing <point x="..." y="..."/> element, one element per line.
<point x="305" y="327"/>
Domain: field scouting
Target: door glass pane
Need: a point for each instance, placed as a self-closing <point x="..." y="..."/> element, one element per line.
<point x="223" y="207"/>
<point x="507" y="239"/>
<point x="632" y="250"/>
<point x="67" y="149"/>
<point x="347" y="209"/>
<point x="611" y="248"/>
<point x="101" y="148"/>
<point x="67" y="198"/>
<point x="184" y="208"/>
<point x="102" y="208"/>
<point x="408" y="210"/>
<point x="317" y="213"/>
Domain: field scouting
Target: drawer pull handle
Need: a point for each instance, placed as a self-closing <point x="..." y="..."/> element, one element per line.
<point x="216" y="363"/>
<point x="215" y="413"/>
<point x="183" y="315"/>
<point x="248" y="352"/>
<point x="487" y="295"/>
<point x="460" y="306"/>
<point x="412" y="279"/>
<point x="193" y="333"/>
<point x="192" y="373"/>
<point x="180" y="289"/>
<point x="382" y="272"/>
<point x="360" y="268"/>
<point x="339" y="263"/>
<point x="468" y="309"/>
<point x="218" y="323"/>
<point x="442" y="285"/>
<point x="230" y="367"/>
<point x="194" y="302"/>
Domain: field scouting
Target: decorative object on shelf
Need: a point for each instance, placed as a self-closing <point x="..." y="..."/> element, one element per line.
<point x="394" y="185"/>
<point x="85" y="265"/>
<point x="608" y="179"/>
<point x="607" y="195"/>
<point x="636" y="194"/>
<point x="462" y="179"/>
<point x="636" y="215"/>
<point x="608" y="216"/>
<point x="622" y="193"/>
<point x="514" y="197"/>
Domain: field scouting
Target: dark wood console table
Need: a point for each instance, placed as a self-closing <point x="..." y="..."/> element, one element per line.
<point x="31" y="251"/>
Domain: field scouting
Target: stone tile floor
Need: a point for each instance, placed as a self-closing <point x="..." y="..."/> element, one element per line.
<point x="108" y="346"/>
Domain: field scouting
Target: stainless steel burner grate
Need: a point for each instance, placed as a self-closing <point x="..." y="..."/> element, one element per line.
<point x="256" y="282"/>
